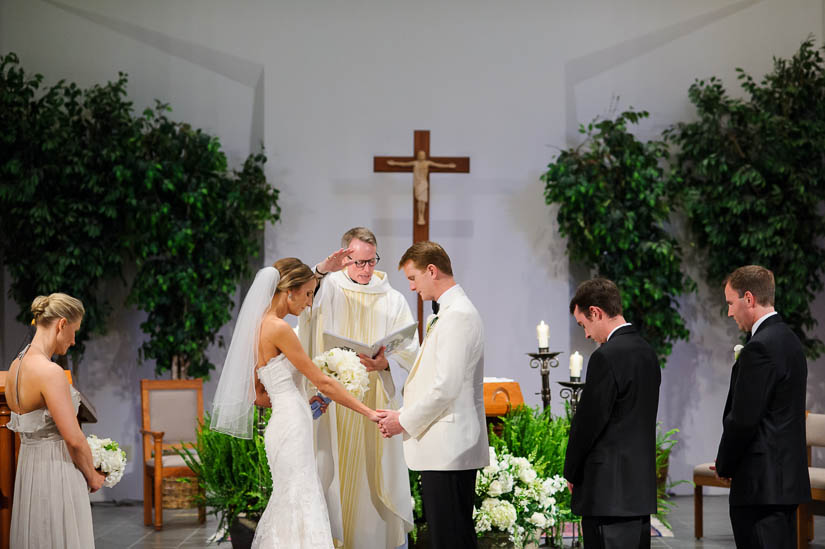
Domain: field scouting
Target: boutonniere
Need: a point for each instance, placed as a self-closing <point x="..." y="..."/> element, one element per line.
<point x="431" y="323"/>
<point x="736" y="350"/>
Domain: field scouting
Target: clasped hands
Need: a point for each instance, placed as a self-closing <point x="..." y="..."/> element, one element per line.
<point x="387" y="420"/>
<point x="723" y="480"/>
<point x="388" y="423"/>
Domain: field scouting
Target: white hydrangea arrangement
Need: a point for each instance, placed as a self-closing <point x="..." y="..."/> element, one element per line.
<point x="514" y="499"/>
<point x="345" y="366"/>
<point x="108" y="458"/>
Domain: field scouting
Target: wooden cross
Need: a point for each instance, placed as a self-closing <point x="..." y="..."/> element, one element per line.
<point x="420" y="164"/>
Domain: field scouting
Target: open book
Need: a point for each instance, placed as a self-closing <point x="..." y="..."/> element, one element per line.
<point x="392" y="341"/>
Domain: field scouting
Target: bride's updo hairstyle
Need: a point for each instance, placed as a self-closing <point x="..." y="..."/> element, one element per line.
<point x="48" y="308"/>
<point x="294" y="273"/>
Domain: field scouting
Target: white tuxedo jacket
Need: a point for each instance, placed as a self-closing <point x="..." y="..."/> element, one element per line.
<point x="443" y="411"/>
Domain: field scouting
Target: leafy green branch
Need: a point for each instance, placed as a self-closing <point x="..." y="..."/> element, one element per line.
<point x="614" y="208"/>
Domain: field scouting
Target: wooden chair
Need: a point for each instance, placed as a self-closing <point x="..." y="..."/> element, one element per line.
<point x="171" y="412"/>
<point x="815" y="436"/>
<point x="702" y="476"/>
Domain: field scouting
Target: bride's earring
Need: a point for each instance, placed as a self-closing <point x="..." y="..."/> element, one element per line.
<point x="289" y="297"/>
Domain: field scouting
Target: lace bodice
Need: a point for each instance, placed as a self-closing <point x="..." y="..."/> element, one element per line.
<point x="280" y="376"/>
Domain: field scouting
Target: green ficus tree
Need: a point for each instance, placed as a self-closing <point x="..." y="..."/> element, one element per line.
<point x="753" y="180"/>
<point x="86" y="185"/>
<point x="63" y="203"/>
<point x="612" y="193"/>
<point x="197" y="228"/>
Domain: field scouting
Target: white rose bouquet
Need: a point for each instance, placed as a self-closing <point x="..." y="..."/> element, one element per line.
<point x="511" y="497"/>
<point x="345" y="366"/>
<point x="108" y="458"/>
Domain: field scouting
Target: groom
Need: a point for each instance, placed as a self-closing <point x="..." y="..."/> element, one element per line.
<point x="442" y="419"/>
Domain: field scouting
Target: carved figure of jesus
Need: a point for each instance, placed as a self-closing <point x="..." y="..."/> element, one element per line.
<point x="421" y="167"/>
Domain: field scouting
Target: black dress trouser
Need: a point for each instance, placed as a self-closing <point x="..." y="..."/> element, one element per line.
<point x="616" y="532"/>
<point x="448" y="498"/>
<point x="764" y="526"/>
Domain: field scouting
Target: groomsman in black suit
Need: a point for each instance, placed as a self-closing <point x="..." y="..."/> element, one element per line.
<point x="611" y="453"/>
<point x="762" y="450"/>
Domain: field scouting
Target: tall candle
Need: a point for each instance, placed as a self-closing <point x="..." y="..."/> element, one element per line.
<point x="576" y="364"/>
<point x="543" y="333"/>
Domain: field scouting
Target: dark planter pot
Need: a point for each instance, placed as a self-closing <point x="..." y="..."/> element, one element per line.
<point x="495" y="540"/>
<point x="241" y="533"/>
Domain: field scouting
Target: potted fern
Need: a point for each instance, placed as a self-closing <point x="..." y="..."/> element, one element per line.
<point x="664" y="446"/>
<point x="234" y="479"/>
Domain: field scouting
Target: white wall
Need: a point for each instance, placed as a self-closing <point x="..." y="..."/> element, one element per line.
<point x="328" y="85"/>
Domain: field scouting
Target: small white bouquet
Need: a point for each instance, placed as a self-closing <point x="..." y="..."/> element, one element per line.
<point x="345" y="366"/>
<point x="512" y="498"/>
<point x="108" y="458"/>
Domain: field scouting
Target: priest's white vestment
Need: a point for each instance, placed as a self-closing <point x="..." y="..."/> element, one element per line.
<point x="364" y="476"/>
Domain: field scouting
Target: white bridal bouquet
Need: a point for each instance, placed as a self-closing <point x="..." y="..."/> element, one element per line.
<point x="514" y="499"/>
<point x="108" y="458"/>
<point x="345" y="366"/>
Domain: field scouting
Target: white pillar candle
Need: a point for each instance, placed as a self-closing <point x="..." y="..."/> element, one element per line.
<point x="543" y="333"/>
<point x="576" y="364"/>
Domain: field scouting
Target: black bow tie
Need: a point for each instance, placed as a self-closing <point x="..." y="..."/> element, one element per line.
<point x="747" y="337"/>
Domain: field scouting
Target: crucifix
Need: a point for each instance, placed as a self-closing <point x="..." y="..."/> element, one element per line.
<point x="420" y="164"/>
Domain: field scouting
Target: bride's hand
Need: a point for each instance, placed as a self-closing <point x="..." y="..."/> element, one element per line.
<point x="335" y="261"/>
<point x="374" y="416"/>
<point x="322" y="405"/>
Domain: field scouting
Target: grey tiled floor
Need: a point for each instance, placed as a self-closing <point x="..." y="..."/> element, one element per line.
<point x="121" y="527"/>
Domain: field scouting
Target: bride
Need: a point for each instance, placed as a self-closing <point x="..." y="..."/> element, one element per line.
<point x="265" y="365"/>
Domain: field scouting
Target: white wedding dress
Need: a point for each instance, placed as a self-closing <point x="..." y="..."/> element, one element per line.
<point x="296" y="515"/>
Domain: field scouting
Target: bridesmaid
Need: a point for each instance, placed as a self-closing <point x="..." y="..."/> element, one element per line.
<point x="55" y="472"/>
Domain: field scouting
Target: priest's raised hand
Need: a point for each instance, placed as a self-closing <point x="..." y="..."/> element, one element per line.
<point x="335" y="261"/>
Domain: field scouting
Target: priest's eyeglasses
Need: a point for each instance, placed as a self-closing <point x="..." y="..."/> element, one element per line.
<point x="361" y="263"/>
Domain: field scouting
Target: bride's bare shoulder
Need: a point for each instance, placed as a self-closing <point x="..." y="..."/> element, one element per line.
<point x="272" y="326"/>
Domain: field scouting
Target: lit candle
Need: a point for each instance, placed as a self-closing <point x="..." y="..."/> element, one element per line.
<point x="576" y="364"/>
<point x="543" y="333"/>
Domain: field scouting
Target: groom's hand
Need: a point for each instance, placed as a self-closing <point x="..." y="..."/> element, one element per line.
<point x="389" y="424"/>
<point x="377" y="363"/>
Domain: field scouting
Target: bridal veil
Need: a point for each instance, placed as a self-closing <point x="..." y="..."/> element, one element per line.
<point x="233" y="406"/>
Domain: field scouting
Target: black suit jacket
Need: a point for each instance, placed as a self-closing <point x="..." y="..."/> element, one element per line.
<point x="763" y="438"/>
<point x="611" y="452"/>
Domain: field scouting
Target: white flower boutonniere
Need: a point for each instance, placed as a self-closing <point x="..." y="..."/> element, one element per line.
<point x="736" y="350"/>
<point x="431" y="323"/>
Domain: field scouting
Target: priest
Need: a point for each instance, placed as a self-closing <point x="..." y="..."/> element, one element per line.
<point x="364" y="476"/>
